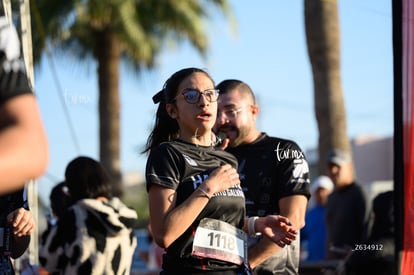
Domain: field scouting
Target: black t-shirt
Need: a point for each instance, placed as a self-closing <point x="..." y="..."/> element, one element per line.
<point x="9" y="203"/>
<point x="13" y="78"/>
<point x="271" y="168"/>
<point x="183" y="167"/>
<point x="346" y="218"/>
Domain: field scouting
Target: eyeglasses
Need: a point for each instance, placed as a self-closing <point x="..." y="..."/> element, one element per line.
<point x="193" y="96"/>
<point x="229" y="114"/>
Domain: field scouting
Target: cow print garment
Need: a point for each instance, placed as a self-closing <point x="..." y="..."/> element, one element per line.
<point x="93" y="237"/>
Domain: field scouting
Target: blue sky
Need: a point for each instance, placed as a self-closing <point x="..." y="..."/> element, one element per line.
<point x="267" y="50"/>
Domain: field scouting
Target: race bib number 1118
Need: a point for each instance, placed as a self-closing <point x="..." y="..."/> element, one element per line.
<point x="220" y="240"/>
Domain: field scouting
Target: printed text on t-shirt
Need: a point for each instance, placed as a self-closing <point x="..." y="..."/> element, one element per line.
<point x="288" y="153"/>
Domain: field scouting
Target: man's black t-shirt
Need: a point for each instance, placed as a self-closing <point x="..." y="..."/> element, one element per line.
<point x="183" y="167"/>
<point x="271" y="168"/>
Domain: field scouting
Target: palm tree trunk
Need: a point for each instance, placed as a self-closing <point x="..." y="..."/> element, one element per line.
<point x="323" y="41"/>
<point x="108" y="56"/>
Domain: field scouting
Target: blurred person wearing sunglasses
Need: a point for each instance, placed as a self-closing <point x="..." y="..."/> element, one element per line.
<point x="196" y="204"/>
<point x="274" y="175"/>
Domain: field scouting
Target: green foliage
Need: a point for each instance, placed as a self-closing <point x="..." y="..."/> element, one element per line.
<point x="110" y="31"/>
<point x="136" y="196"/>
<point x="142" y="27"/>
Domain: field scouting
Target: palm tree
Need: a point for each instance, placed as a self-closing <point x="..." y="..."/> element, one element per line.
<point x="109" y="31"/>
<point x="323" y="41"/>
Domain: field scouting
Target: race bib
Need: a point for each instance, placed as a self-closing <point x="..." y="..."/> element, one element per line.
<point x="220" y="240"/>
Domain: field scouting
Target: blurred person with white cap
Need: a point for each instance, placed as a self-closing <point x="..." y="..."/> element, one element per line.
<point x="347" y="208"/>
<point x="313" y="235"/>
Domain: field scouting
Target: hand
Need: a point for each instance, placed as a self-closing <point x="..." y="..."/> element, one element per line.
<point x="277" y="228"/>
<point x="224" y="144"/>
<point x="222" y="141"/>
<point x="22" y="222"/>
<point x="221" y="179"/>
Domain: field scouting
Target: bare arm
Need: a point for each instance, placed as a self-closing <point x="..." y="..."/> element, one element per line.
<point x="292" y="207"/>
<point x="23" y="225"/>
<point x="23" y="144"/>
<point x="168" y="222"/>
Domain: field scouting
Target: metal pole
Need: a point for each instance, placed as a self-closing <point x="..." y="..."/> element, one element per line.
<point x="7" y="9"/>
<point x="27" y="50"/>
<point x="27" y="38"/>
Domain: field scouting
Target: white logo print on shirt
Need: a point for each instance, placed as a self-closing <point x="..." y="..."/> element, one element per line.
<point x="190" y="160"/>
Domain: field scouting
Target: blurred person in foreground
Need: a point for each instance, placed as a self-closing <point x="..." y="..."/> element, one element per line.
<point x="314" y="232"/>
<point x="274" y="175"/>
<point x="96" y="233"/>
<point x="347" y="210"/>
<point x="197" y="206"/>
<point x="16" y="226"/>
<point x="23" y="143"/>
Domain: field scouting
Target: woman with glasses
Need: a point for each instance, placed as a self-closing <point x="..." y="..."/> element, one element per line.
<point x="196" y="204"/>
